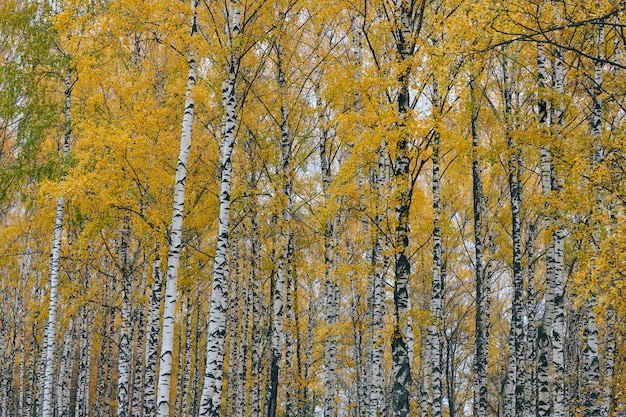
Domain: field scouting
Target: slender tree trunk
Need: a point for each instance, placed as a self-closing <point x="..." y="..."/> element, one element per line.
<point x="558" y="240"/>
<point x="185" y="394"/>
<point x="591" y="369"/>
<point x="139" y="354"/>
<point x="152" y="341"/>
<point x="102" y="363"/>
<point x="377" y="376"/>
<point x="331" y="287"/>
<point x="609" y="363"/>
<point x="543" y="334"/>
<point x="173" y="257"/>
<point x="285" y="262"/>
<point x="514" y="387"/>
<point x="436" y="295"/>
<point x="197" y="366"/>
<point x="48" y="406"/>
<point x="481" y="272"/>
<point x="277" y="336"/>
<point x="82" y="396"/>
<point x="402" y="334"/>
<point x="256" y="365"/>
<point x="241" y="395"/>
<point x="530" y="351"/>
<point x="210" y="403"/>
<point x="124" y="358"/>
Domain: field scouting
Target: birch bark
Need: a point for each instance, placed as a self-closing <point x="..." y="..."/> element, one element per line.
<point x="175" y="246"/>
<point x="210" y="402"/>
<point x="591" y="369"/>
<point x="514" y="387"/>
<point x="152" y="341"/>
<point x="331" y="287"/>
<point x="481" y="272"/>
<point x="48" y="406"/>
<point x="123" y="363"/>
<point x="138" y="351"/>
<point x="402" y="334"/>
<point x="436" y="295"/>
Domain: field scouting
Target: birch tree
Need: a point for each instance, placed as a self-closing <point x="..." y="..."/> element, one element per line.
<point x="210" y="403"/>
<point x="51" y="328"/>
<point x="173" y="257"/>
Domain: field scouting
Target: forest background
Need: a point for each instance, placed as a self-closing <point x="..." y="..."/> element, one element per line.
<point x="378" y="208"/>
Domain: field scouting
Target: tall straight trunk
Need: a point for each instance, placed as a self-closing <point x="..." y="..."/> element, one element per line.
<point x="283" y="300"/>
<point x="609" y="363"/>
<point x="138" y="346"/>
<point x="234" y="329"/>
<point x="591" y="368"/>
<point x="175" y="246"/>
<point x="514" y="387"/>
<point x="292" y="373"/>
<point x="558" y="240"/>
<point x="241" y="374"/>
<point x="65" y="373"/>
<point x="402" y="334"/>
<point x="363" y="342"/>
<point x="124" y="348"/>
<point x="331" y="288"/>
<point x="378" y="263"/>
<point x="551" y="332"/>
<point x="152" y="341"/>
<point x="102" y="363"/>
<point x="48" y="406"/>
<point x="543" y="333"/>
<point x="481" y="272"/>
<point x="436" y="295"/>
<point x="109" y="388"/>
<point x="198" y="363"/>
<point x="277" y="336"/>
<point x="210" y="403"/>
<point x="530" y="348"/>
<point x="186" y="365"/>
<point x="254" y="244"/>
<point x="285" y="261"/>
<point x="84" y="349"/>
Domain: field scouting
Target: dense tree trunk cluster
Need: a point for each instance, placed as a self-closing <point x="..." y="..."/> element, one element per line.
<point x="386" y="208"/>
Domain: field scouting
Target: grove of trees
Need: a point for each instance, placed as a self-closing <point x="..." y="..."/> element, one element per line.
<point x="312" y="208"/>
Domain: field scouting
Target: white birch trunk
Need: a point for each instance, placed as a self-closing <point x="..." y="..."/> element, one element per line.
<point x="65" y="373"/>
<point x="175" y="246"/>
<point x="185" y="394"/>
<point x="48" y="406"/>
<point x="82" y="396"/>
<point x="331" y="288"/>
<point x="139" y="353"/>
<point x="254" y="246"/>
<point x="558" y="328"/>
<point x="241" y="408"/>
<point x="285" y="263"/>
<point x="436" y="295"/>
<point x="591" y="369"/>
<point x="210" y="403"/>
<point x="481" y="271"/>
<point x="152" y="341"/>
<point x="609" y="363"/>
<point x="403" y="17"/>
<point x="514" y="388"/>
<point x="124" y="359"/>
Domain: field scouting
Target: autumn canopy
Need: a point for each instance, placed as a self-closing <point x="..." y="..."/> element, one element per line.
<point x="312" y="208"/>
